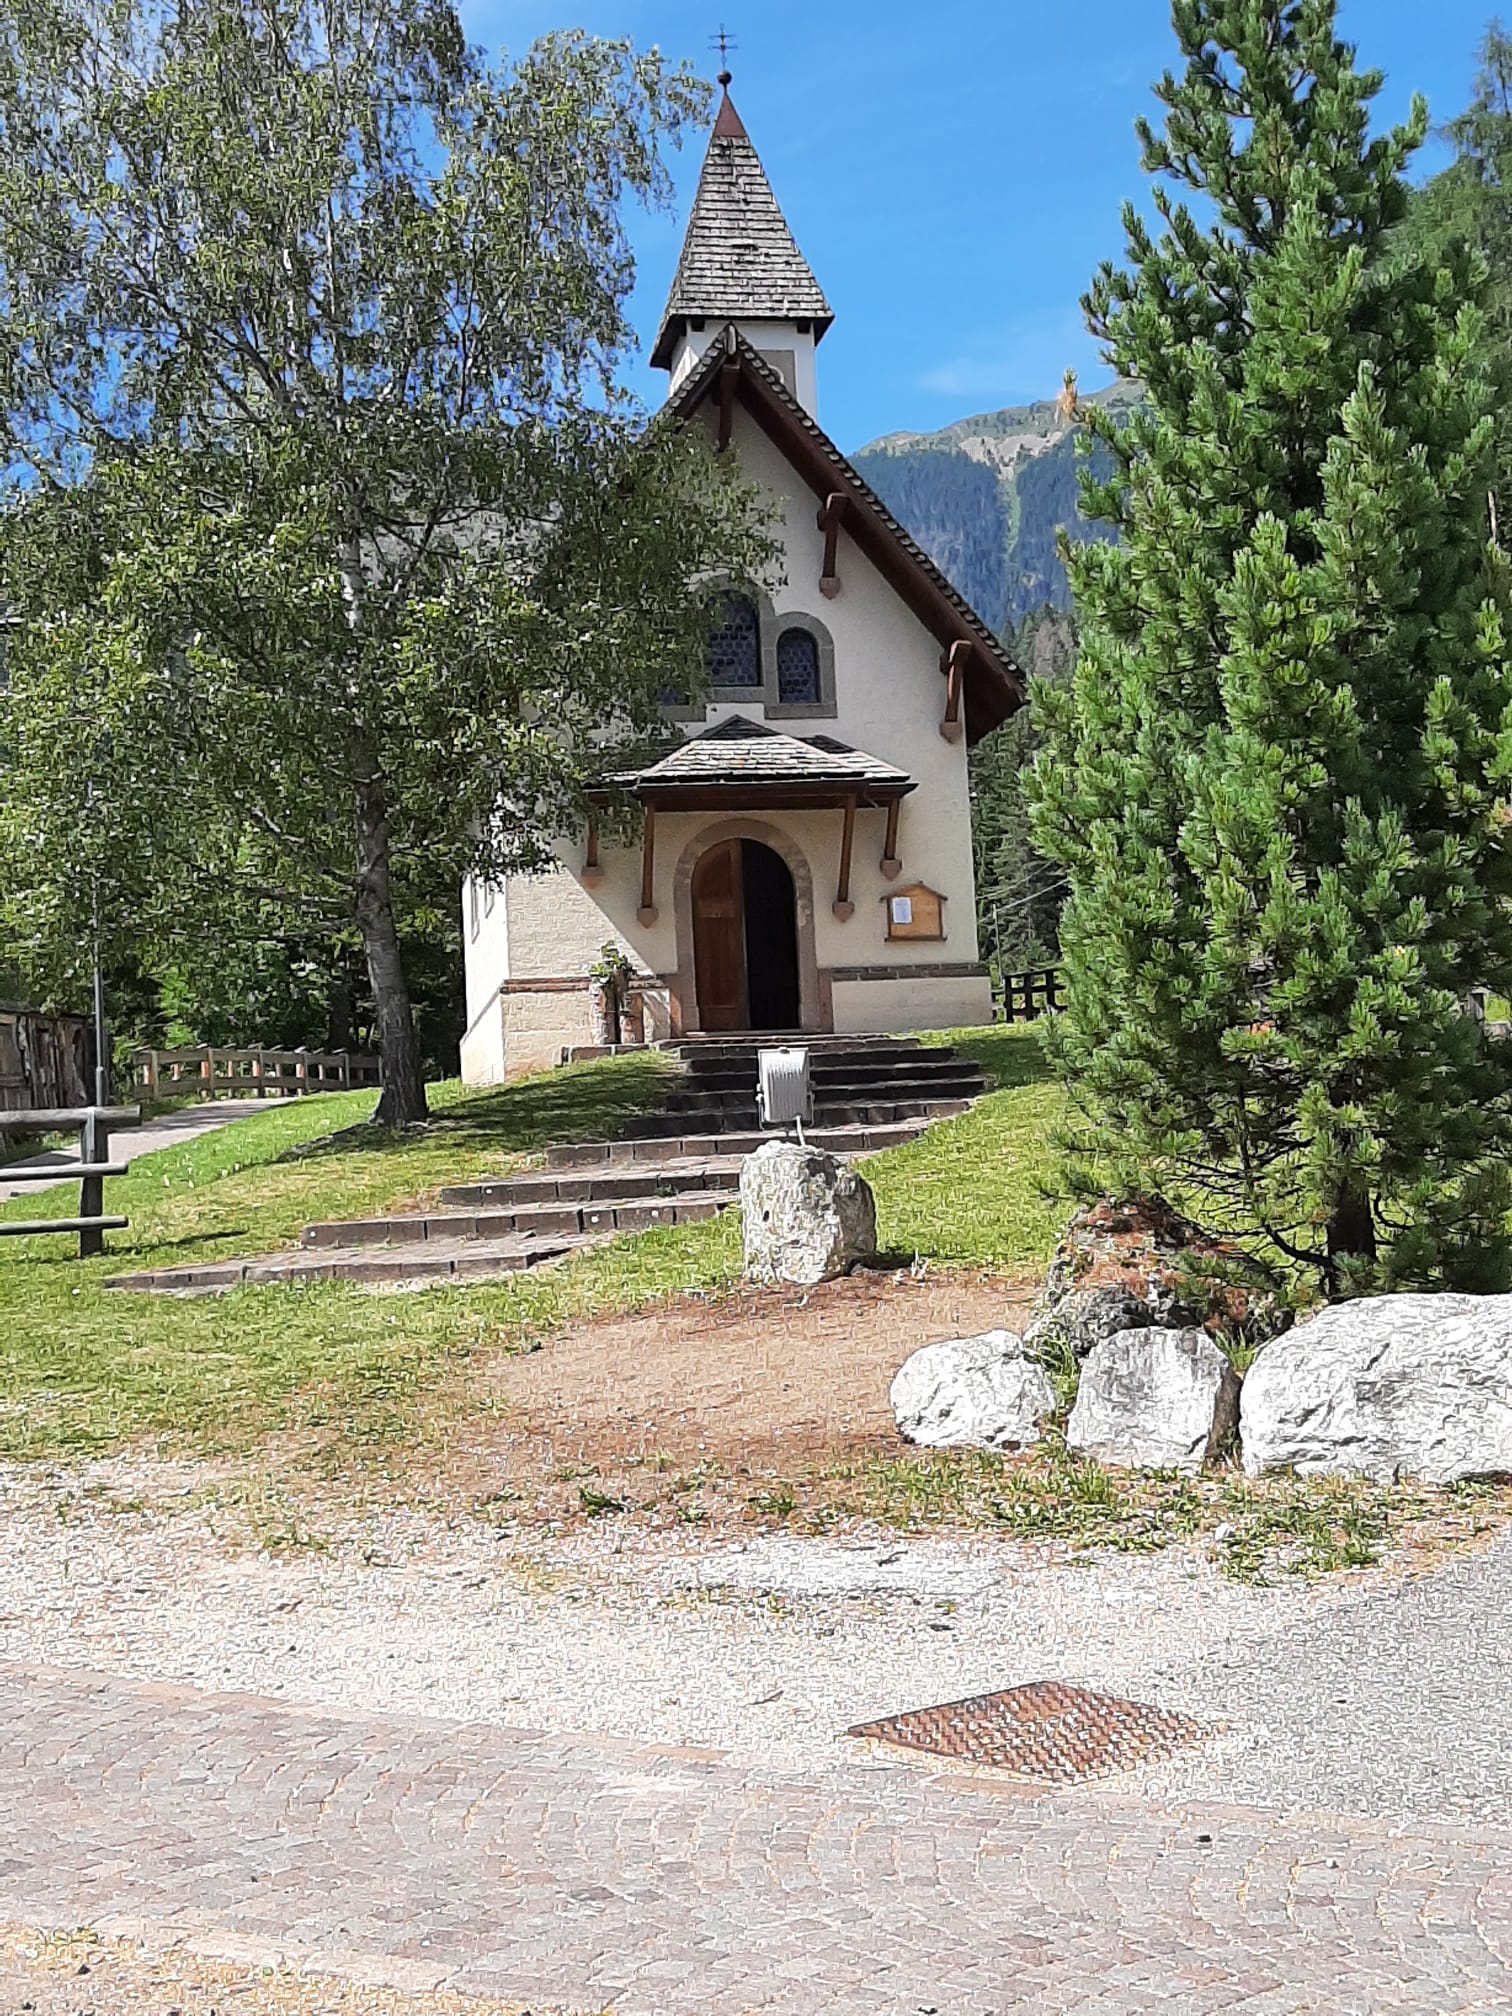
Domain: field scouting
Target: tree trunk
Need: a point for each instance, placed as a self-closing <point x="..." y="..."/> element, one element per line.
<point x="339" y="1031"/>
<point x="1351" y="1235"/>
<point x="403" y="1097"/>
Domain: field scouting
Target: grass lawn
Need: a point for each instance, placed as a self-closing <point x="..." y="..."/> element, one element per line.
<point x="323" y="1382"/>
<point x="84" y="1371"/>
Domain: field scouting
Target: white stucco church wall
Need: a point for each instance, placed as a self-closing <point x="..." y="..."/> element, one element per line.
<point x="530" y="944"/>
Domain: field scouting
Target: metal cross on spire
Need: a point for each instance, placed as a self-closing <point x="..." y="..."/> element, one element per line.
<point x="724" y="42"/>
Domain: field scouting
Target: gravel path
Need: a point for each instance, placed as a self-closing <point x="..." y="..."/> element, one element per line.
<point x="1370" y="1694"/>
<point x="166" y="1132"/>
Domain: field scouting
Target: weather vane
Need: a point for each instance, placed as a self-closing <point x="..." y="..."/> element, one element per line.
<point x="724" y="42"/>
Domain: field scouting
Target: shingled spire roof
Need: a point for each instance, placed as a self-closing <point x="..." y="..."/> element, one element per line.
<point x="739" y="260"/>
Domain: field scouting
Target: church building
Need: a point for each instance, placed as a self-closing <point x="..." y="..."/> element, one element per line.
<point x="805" y="861"/>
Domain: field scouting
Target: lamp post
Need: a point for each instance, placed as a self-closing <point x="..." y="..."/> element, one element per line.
<point x="103" y="748"/>
<point x="102" y="1051"/>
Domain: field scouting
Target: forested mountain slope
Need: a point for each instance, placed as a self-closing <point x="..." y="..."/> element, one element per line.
<point x="986" y="498"/>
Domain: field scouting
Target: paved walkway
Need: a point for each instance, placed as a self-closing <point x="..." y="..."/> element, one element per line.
<point x="582" y="1872"/>
<point x="168" y="1131"/>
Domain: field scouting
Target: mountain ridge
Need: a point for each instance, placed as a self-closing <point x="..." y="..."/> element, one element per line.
<point x="987" y="495"/>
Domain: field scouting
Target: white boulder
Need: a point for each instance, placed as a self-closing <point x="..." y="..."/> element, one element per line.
<point x="1389" y="1386"/>
<point x="1155" y="1399"/>
<point x="972" y="1393"/>
<point x="806" y="1217"/>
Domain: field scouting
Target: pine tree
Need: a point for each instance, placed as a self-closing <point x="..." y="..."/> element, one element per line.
<point x="1278" y="782"/>
<point x="1472" y="199"/>
<point x="1019" y="892"/>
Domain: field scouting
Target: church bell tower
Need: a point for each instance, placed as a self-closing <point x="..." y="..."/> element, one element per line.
<point x="741" y="265"/>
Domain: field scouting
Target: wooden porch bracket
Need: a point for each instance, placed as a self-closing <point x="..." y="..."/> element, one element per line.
<point x="593" y="872"/>
<point x="831" y="517"/>
<point x="953" y="665"/>
<point x="647" y="911"/>
<point x="891" y="863"/>
<point x="843" y="905"/>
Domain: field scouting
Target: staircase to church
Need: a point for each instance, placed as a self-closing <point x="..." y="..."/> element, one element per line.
<point x="666" y="1168"/>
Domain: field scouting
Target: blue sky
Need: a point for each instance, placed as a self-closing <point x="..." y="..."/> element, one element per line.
<point x="953" y="170"/>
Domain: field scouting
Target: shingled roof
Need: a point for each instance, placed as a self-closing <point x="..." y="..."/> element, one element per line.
<point x="739" y="257"/>
<point x="741" y="752"/>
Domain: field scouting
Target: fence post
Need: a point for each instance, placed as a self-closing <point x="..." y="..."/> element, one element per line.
<point x="94" y="1142"/>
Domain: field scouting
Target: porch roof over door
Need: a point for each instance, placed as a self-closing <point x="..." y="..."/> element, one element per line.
<point x="740" y="762"/>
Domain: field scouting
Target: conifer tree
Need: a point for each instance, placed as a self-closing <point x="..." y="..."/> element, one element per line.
<point x="1278" y="782"/>
<point x="1472" y="199"/>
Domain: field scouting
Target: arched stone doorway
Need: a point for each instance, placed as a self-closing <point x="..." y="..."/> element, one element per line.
<point x="744" y="922"/>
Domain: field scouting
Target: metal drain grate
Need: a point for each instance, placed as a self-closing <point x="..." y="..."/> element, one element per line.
<point x="1046" y="1731"/>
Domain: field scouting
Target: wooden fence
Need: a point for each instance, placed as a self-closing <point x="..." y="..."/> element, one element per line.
<point x="45" y="1060"/>
<point x="93" y="1125"/>
<point x="213" y="1073"/>
<point x="1027" y="996"/>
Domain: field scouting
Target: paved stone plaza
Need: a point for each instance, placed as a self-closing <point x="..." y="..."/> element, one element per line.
<point x="610" y="1771"/>
<point x="582" y="1873"/>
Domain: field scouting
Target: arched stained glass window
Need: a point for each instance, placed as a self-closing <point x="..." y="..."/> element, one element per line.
<point x="735" y="644"/>
<point x="798" y="668"/>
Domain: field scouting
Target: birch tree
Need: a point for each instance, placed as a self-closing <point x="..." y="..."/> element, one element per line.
<point x="333" y="545"/>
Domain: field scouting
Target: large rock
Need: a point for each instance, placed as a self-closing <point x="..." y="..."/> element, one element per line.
<point x="806" y="1216"/>
<point x="1390" y="1386"/>
<point x="1155" y="1399"/>
<point x="1074" y="1322"/>
<point x="972" y="1393"/>
<point x="1133" y="1263"/>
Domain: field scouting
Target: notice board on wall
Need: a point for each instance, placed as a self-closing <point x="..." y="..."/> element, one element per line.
<point x="915" y="912"/>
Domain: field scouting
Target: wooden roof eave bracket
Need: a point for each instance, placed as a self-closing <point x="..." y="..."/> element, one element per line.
<point x="891" y="864"/>
<point x="647" y="911"/>
<point x="844" y="909"/>
<point x="831" y="518"/>
<point x="953" y="665"/>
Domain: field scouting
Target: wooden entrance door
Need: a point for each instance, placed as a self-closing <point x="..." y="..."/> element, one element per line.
<point x="719" y="951"/>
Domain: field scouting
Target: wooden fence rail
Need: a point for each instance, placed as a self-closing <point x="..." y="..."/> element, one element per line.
<point x="93" y="1124"/>
<point x="1027" y="996"/>
<point x="212" y="1073"/>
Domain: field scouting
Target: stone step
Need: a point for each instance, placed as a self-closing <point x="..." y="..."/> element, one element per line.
<point x="536" y="1221"/>
<point x="441" y="1260"/>
<point x="697" y="1062"/>
<point x="712" y="1073"/>
<point x="963" y="1083"/>
<point x="745" y="1119"/>
<point x="662" y="1179"/>
<point x="745" y="1042"/>
<point x="640" y="1150"/>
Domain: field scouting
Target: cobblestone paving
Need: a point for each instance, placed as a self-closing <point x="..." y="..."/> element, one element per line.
<point x="584" y="1872"/>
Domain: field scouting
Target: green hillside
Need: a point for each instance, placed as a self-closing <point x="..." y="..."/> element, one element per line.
<point x="986" y="498"/>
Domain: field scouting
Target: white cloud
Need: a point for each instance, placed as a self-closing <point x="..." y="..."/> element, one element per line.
<point x="1018" y="361"/>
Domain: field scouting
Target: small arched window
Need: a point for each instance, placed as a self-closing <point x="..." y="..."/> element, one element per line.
<point x="735" y="644"/>
<point x="798" y="668"/>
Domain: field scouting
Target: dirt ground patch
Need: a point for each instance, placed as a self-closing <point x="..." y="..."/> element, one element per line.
<point x="78" y="1974"/>
<point x="696" y="1398"/>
